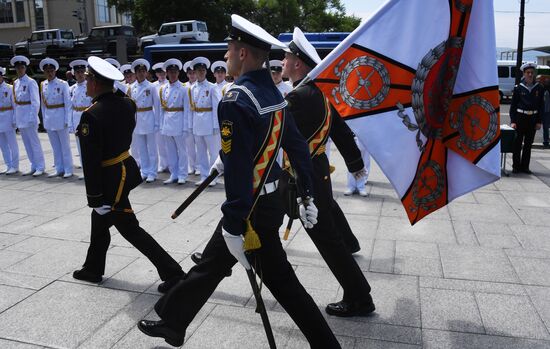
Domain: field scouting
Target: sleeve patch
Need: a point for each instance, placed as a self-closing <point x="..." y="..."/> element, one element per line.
<point x="230" y="96"/>
<point x="84" y="130"/>
<point x="226" y="132"/>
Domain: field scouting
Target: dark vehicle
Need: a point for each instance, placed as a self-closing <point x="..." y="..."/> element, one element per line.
<point x="104" y="39"/>
<point x="6" y="50"/>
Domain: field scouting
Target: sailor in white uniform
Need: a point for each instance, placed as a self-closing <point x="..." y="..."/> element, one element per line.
<point x="118" y="85"/>
<point x="193" y="166"/>
<point x="8" y="142"/>
<point x="129" y="80"/>
<point x="276" y="67"/>
<point x="56" y="113"/>
<point x="204" y="98"/>
<point x="219" y="69"/>
<point x="80" y="101"/>
<point x="160" y="73"/>
<point x="147" y="102"/>
<point x="27" y="105"/>
<point x="174" y="102"/>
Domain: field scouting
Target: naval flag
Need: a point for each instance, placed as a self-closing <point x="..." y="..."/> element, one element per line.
<point x="417" y="83"/>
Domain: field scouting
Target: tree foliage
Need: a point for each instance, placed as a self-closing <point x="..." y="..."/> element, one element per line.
<point x="276" y="16"/>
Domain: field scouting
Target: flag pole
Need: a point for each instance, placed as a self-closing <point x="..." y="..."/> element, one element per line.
<point x="519" y="60"/>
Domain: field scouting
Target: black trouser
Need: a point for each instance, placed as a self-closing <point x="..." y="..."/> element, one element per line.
<point x="182" y="303"/>
<point x="128" y="226"/>
<point x="525" y="135"/>
<point x="341" y="222"/>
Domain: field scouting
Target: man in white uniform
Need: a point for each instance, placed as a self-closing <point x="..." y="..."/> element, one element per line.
<point x="276" y="67"/>
<point x="160" y="73"/>
<point x="80" y="101"/>
<point x="204" y="98"/>
<point x="129" y="80"/>
<point x="8" y="142"/>
<point x="147" y="102"/>
<point x="174" y="101"/>
<point x="219" y="69"/>
<point x="193" y="166"/>
<point x="27" y="105"/>
<point x="56" y="112"/>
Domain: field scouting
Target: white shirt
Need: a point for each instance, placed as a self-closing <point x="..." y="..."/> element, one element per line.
<point x="284" y="88"/>
<point x="174" y="103"/>
<point x="204" y="101"/>
<point x="146" y="97"/>
<point x="25" y="91"/>
<point x="7" y="107"/>
<point x="120" y="86"/>
<point x="56" y="104"/>
<point x="79" y="101"/>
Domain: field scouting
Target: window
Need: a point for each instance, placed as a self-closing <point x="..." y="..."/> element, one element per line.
<point x="37" y="37"/>
<point x="51" y="35"/>
<point x="6" y="13"/>
<point x="67" y="35"/>
<point x="167" y="29"/>
<point x="513" y="72"/>
<point x="201" y="27"/>
<point x="97" y="33"/>
<point x="503" y="72"/>
<point x="39" y="14"/>
<point x="185" y="27"/>
<point x="127" y="32"/>
<point x="103" y="11"/>
<point x="19" y="11"/>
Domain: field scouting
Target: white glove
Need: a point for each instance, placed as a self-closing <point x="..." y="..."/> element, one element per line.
<point x="218" y="166"/>
<point x="103" y="209"/>
<point x="308" y="212"/>
<point x="358" y="175"/>
<point x="235" y="245"/>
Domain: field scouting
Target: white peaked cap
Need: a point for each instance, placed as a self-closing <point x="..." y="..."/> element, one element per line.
<point x="218" y="65"/>
<point x="172" y="61"/>
<point x="48" y="61"/>
<point x="113" y="62"/>
<point x="159" y="65"/>
<point x="18" y="59"/>
<point x="78" y="63"/>
<point x="200" y="60"/>
<point x="528" y="65"/>
<point x="302" y="48"/>
<point x="125" y="67"/>
<point x="104" y="68"/>
<point x="252" y="34"/>
<point x="140" y="61"/>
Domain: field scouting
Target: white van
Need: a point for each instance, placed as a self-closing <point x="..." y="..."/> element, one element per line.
<point x="507" y="77"/>
<point x="177" y="33"/>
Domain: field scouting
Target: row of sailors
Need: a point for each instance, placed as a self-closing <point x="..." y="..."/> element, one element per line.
<point x="176" y="123"/>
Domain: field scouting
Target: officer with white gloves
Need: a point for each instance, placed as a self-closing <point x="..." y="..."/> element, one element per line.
<point x="27" y="105"/>
<point x="8" y="142"/>
<point x="147" y="120"/>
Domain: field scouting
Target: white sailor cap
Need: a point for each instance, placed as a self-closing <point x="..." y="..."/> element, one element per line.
<point x="113" y="62"/>
<point x="78" y="64"/>
<point x="245" y="31"/>
<point x="48" y="61"/>
<point x="18" y="60"/>
<point x="159" y="65"/>
<point x="172" y="63"/>
<point x="103" y="69"/>
<point x="200" y="61"/>
<point x="187" y="66"/>
<point x="140" y="62"/>
<point x="276" y="65"/>
<point x="2" y="71"/>
<point x="218" y="65"/>
<point x="125" y="68"/>
<point x="528" y="65"/>
<point x="302" y="48"/>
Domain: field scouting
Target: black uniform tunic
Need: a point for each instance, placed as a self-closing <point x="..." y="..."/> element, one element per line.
<point x="244" y="114"/>
<point x="332" y="233"/>
<point x="105" y="134"/>
<point x="526" y="112"/>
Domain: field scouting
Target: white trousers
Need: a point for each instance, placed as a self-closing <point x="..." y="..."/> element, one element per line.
<point x="134" y="150"/>
<point x="61" y="146"/>
<point x="33" y="147"/>
<point x="78" y="148"/>
<point x="191" y="152"/>
<point x="177" y="156"/>
<point x="10" y="149"/>
<point x="163" y="160"/>
<point x="354" y="184"/>
<point x="208" y="148"/>
<point x="148" y="154"/>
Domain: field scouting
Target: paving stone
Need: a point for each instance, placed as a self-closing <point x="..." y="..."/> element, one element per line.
<point x="471" y="286"/>
<point x="12" y="295"/>
<point x="538" y="215"/>
<point x="302" y="251"/>
<point x="464" y="233"/>
<point x="476" y="263"/>
<point x="498" y="241"/>
<point x="74" y="228"/>
<point x="23" y="281"/>
<point x="4" y="343"/>
<point x="540" y="296"/>
<point x="138" y="276"/>
<point x="76" y="310"/>
<point x="7" y="240"/>
<point x="384" y="332"/>
<point x="8" y="258"/>
<point x="24" y="225"/>
<point x="383" y="256"/>
<point x="296" y="340"/>
<point x="528" y="253"/>
<point x="433" y="339"/>
<point x="490" y="198"/>
<point x="492" y="228"/>
<point x="510" y="315"/>
<point x="8" y="217"/>
<point x="450" y="310"/>
<point x="374" y="344"/>
<point x="359" y="205"/>
<point x="532" y="271"/>
<point x="318" y="278"/>
<point x="532" y="236"/>
<point x="431" y="230"/>
<point x="175" y="238"/>
<point x="531" y="200"/>
<point x="483" y="213"/>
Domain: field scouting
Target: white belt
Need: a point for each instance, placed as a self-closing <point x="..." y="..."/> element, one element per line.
<point x="527" y="112"/>
<point x="269" y="188"/>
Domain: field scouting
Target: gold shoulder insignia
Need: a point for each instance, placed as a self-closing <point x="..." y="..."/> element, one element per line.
<point x="85" y="130"/>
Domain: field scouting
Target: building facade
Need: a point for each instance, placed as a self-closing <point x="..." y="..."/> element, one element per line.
<point x="19" y="18"/>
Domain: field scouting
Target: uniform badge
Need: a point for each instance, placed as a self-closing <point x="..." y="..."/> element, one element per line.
<point x="226" y="133"/>
<point x="207" y="93"/>
<point x="230" y="96"/>
<point x="85" y="130"/>
<point x="5" y="93"/>
<point x="147" y="93"/>
<point x="24" y="88"/>
<point x="58" y="90"/>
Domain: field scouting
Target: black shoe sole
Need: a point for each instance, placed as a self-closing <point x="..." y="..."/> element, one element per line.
<point x="361" y="312"/>
<point x="172" y="341"/>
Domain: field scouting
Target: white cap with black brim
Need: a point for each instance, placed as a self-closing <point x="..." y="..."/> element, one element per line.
<point x="245" y="31"/>
<point x="303" y="49"/>
<point x="102" y="69"/>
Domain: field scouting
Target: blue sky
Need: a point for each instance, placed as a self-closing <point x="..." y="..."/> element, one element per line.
<point x="537" y="25"/>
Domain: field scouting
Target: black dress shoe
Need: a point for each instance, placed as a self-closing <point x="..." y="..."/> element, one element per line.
<point x="86" y="275"/>
<point x="347" y="309"/>
<point x="161" y="329"/>
<point x="197" y="258"/>
<point x="527" y="171"/>
<point x="168" y="284"/>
